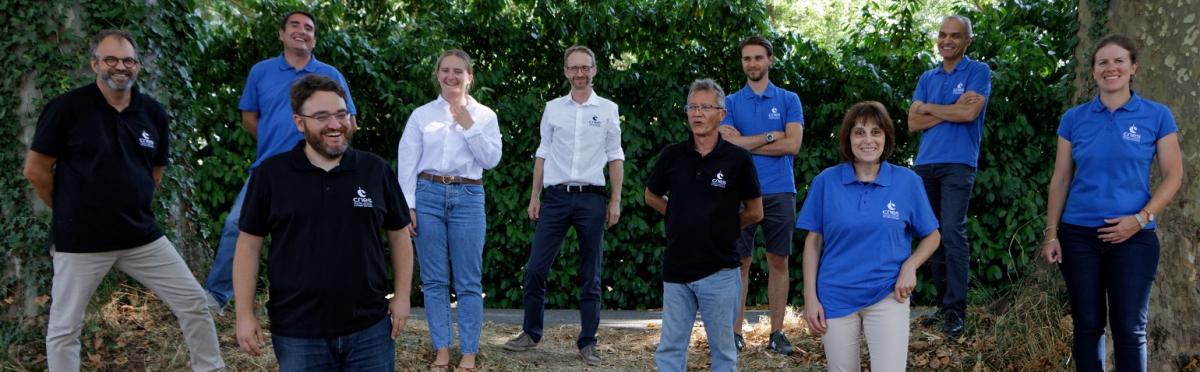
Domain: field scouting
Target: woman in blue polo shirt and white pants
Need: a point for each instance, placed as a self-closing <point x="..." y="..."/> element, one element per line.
<point x="446" y="146"/>
<point x="1100" y="214"/>
<point x="859" y="266"/>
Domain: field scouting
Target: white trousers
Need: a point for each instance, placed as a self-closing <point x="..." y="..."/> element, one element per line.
<point x="885" y="325"/>
<point x="157" y="266"/>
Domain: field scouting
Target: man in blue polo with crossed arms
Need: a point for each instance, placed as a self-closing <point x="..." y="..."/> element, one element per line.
<point x="948" y="108"/>
<point x="768" y="121"/>
<point x="267" y="116"/>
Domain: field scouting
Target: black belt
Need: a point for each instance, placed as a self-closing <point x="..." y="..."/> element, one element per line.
<point x="579" y="188"/>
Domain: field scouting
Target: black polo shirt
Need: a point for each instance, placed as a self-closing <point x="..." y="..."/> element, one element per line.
<point x="327" y="261"/>
<point x="104" y="173"/>
<point x="705" y="194"/>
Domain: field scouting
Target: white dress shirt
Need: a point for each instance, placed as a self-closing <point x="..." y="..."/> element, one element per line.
<point x="433" y="143"/>
<point x="578" y="140"/>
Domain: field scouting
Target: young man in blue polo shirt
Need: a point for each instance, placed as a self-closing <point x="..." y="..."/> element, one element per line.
<point x="96" y="159"/>
<point x="267" y="116"/>
<point x="948" y="108"/>
<point x="768" y="121"/>
<point x="323" y="204"/>
<point x="713" y="191"/>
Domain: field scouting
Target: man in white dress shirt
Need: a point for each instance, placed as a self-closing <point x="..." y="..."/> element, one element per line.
<point x="581" y="133"/>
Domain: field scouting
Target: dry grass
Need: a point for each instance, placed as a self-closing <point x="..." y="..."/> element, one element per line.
<point x="132" y="330"/>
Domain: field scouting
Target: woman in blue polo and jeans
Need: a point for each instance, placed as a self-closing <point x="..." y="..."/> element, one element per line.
<point x="446" y="146"/>
<point x="1100" y="214"/>
<point x="859" y="266"/>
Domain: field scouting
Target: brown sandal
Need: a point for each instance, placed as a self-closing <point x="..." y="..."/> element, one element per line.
<point x="433" y="367"/>
<point x="465" y="369"/>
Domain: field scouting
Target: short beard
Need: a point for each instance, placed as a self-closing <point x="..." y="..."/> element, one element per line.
<point x="108" y="80"/>
<point x="315" y="140"/>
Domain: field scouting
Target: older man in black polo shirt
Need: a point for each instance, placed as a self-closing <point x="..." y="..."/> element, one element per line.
<point x="97" y="157"/>
<point x="323" y="204"/>
<point x="708" y="181"/>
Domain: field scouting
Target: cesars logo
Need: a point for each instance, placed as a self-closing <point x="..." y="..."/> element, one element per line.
<point x="145" y="141"/>
<point x="774" y="113"/>
<point x="890" y="212"/>
<point x="362" y="201"/>
<point x="958" y="89"/>
<point x="1132" y="135"/>
<point x="595" y="121"/>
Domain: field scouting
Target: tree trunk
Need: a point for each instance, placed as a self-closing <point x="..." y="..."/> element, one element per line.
<point x="1168" y="32"/>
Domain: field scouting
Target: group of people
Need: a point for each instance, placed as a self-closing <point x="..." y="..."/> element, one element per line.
<point x="100" y="151"/>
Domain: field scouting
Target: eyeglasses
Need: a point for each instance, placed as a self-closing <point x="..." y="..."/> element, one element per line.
<point x="577" y="69"/>
<point x="111" y="61"/>
<point x="325" y="117"/>
<point x="707" y="109"/>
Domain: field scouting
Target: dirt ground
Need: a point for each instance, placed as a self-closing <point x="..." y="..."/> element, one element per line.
<point x="133" y="331"/>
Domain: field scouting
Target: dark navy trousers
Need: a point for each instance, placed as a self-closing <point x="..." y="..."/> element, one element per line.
<point x="1108" y="283"/>
<point x="560" y="211"/>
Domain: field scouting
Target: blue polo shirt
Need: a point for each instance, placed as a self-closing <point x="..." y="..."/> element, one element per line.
<point x="1113" y="152"/>
<point x="754" y="114"/>
<point x="267" y="93"/>
<point x="867" y="229"/>
<point x="950" y="142"/>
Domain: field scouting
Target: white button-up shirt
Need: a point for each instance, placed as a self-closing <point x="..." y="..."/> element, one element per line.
<point x="433" y="143"/>
<point x="578" y="140"/>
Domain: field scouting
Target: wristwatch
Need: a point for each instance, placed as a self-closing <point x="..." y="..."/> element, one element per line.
<point x="770" y="137"/>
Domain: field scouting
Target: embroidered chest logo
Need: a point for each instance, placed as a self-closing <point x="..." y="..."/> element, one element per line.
<point x="719" y="181"/>
<point x="145" y="140"/>
<point x="361" y="200"/>
<point x="774" y="114"/>
<point x="958" y="89"/>
<point x="1132" y="135"/>
<point x="595" y="122"/>
<point x="890" y="212"/>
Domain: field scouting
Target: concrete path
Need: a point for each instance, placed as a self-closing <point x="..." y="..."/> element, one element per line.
<point x="627" y="319"/>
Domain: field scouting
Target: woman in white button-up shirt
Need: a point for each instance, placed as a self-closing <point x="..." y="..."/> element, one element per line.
<point x="445" y="147"/>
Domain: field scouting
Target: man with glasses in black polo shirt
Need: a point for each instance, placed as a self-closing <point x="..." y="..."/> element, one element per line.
<point x="707" y="180"/>
<point x="323" y="204"/>
<point x="96" y="159"/>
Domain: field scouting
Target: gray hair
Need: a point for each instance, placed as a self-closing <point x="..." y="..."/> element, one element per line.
<point x="965" y="21"/>
<point x="100" y="36"/>
<point x="709" y="85"/>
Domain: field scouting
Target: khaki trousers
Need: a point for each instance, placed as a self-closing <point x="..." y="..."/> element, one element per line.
<point x="885" y="325"/>
<point x="157" y="266"/>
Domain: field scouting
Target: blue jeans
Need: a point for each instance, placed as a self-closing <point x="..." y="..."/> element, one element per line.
<point x="1113" y="281"/>
<point x="717" y="298"/>
<point x="371" y="349"/>
<point x="560" y="211"/>
<point x="219" y="282"/>
<point x="949" y="187"/>
<point x="450" y="234"/>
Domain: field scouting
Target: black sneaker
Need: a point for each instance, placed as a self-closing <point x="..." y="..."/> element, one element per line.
<point x="739" y="342"/>
<point x="780" y="344"/>
<point x="953" y="325"/>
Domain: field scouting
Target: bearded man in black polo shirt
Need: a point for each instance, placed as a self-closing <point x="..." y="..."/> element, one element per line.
<point x="96" y="159"/>
<point x="323" y="204"/>
<point x="708" y="181"/>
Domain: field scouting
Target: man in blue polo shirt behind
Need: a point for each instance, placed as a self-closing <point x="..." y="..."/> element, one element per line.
<point x="323" y="204"/>
<point x="768" y="121"/>
<point x="948" y="108"/>
<point x="267" y="116"/>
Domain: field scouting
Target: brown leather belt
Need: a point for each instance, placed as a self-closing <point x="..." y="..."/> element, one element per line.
<point x="448" y="180"/>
